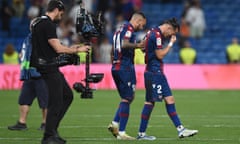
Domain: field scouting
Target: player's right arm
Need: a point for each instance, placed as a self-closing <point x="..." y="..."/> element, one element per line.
<point x="126" y="40"/>
<point x="127" y="44"/>
<point x="160" y="53"/>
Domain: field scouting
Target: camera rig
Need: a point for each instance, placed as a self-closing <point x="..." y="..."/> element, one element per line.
<point x="88" y="26"/>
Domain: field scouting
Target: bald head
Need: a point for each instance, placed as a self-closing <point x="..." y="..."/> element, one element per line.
<point x="138" y="20"/>
<point x="138" y="15"/>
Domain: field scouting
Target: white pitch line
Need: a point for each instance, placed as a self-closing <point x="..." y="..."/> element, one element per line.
<point x="134" y="115"/>
<point x="134" y="126"/>
<point x="111" y="139"/>
<point x="222" y="126"/>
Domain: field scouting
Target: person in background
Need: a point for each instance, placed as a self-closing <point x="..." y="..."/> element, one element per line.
<point x="233" y="51"/>
<point x="10" y="55"/>
<point x="33" y="87"/>
<point x="105" y="49"/>
<point x="187" y="54"/>
<point x="139" y="56"/>
<point x="6" y="13"/>
<point x="195" y="17"/>
<point x="19" y="7"/>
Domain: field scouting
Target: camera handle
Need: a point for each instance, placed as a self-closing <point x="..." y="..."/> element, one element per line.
<point x="88" y="92"/>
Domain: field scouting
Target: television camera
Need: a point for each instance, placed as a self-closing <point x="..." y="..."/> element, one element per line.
<point x="88" y="26"/>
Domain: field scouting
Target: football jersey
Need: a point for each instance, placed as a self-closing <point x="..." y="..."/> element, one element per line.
<point x="123" y="57"/>
<point x="154" y="41"/>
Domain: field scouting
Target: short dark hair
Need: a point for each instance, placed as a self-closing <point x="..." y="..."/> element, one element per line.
<point x="141" y="14"/>
<point x="55" y="4"/>
<point x="173" y="22"/>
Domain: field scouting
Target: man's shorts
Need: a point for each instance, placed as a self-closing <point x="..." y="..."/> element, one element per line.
<point x="31" y="89"/>
<point x="156" y="86"/>
<point x="125" y="81"/>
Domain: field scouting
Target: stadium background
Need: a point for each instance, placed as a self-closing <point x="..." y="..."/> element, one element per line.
<point x="215" y="113"/>
<point x="222" y="19"/>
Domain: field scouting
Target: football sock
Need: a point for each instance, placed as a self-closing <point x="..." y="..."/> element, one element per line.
<point x="124" y="113"/>
<point x="171" y="110"/>
<point x="146" y="113"/>
<point x="180" y="128"/>
<point x="117" y="115"/>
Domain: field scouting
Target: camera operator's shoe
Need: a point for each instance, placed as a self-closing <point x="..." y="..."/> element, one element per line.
<point x="60" y="138"/>
<point x="113" y="128"/>
<point x="187" y="133"/>
<point x="52" y="140"/>
<point x="145" y="137"/>
<point x="42" y="127"/>
<point x="125" y="136"/>
<point x="18" y="126"/>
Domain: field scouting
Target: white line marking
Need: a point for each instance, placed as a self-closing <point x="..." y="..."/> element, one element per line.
<point x="110" y="139"/>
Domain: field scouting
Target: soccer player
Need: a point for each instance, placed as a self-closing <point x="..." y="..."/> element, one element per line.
<point x="156" y="84"/>
<point x="123" y="71"/>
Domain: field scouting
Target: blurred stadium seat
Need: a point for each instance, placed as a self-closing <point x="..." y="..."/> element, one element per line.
<point x="221" y="18"/>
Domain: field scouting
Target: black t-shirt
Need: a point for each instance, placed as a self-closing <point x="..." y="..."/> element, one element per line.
<point x="41" y="32"/>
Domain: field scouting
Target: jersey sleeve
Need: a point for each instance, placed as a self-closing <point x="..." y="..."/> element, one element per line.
<point x="158" y="40"/>
<point x="128" y="33"/>
<point x="51" y="31"/>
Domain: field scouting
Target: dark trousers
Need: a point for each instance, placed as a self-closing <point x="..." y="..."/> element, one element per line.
<point x="60" y="98"/>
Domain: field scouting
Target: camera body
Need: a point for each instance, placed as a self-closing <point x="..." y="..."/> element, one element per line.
<point x="89" y="25"/>
<point x="86" y="90"/>
<point x="67" y="59"/>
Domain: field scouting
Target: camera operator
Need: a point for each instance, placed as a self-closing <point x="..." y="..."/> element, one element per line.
<point x="46" y="48"/>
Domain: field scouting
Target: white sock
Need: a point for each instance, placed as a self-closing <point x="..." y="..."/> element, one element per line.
<point x="180" y="128"/>
<point x="115" y="123"/>
<point x="142" y="134"/>
<point x="121" y="132"/>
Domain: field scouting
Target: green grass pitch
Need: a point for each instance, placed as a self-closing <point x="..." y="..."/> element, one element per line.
<point x="216" y="114"/>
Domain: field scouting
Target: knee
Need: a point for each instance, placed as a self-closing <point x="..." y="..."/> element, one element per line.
<point x="169" y="100"/>
<point x="150" y="103"/>
<point x="128" y="99"/>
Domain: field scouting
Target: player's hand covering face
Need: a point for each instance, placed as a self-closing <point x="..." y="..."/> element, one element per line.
<point x="170" y="31"/>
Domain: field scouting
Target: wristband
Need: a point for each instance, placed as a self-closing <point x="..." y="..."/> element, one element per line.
<point x="170" y="44"/>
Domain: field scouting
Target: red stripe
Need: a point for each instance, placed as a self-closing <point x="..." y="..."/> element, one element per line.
<point x="145" y="117"/>
<point x="172" y="114"/>
<point x="124" y="115"/>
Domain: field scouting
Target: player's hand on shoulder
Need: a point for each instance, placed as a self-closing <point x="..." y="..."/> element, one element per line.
<point x="141" y="44"/>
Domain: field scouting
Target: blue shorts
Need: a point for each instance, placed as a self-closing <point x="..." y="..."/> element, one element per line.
<point x="125" y="81"/>
<point x="156" y="86"/>
<point x="32" y="89"/>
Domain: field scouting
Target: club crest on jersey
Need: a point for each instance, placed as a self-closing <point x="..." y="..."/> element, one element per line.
<point x="160" y="97"/>
<point x="128" y="33"/>
<point x="159" y="41"/>
<point x="154" y="85"/>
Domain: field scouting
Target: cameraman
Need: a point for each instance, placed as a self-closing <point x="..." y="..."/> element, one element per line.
<point x="45" y="49"/>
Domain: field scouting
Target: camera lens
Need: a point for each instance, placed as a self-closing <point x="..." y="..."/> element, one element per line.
<point x="78" y="87"/>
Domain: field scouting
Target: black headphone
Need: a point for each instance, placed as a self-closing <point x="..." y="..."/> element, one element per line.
<point x="55" y="4"/>
<point x="60" y="5"/>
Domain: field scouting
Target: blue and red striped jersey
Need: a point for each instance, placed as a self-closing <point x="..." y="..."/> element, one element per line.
<point x="154" y="41"/>
<point x="123" y="57"/>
